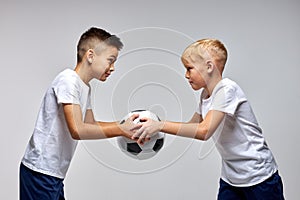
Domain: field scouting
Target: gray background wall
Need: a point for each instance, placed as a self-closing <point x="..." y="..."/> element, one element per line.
<point x="38" y="40"/>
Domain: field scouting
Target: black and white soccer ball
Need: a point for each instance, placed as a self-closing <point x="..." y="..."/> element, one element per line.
<point x="149" y="148"/>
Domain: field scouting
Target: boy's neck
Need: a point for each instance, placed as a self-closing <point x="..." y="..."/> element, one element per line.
<point x="83" y="73"/>
<point x="211" y="84"/>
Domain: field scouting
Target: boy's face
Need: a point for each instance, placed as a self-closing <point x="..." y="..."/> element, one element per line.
<point x="103" y="64"/>
<point x="195" y="71"/>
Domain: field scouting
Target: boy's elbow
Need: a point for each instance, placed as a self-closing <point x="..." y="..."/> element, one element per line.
<point x="75" y="134"/>
<point x="202" y="137"/>
<point x="203" y="134"/>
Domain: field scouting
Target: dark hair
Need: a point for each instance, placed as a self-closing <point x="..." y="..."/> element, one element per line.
<point x="92" y="37"/>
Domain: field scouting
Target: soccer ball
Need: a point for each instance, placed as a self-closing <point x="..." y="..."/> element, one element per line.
<point x="149" y="148"/>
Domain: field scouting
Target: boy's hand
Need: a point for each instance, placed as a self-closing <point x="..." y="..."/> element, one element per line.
<point x="129" y="127"/>
<point x="148" y="129"/>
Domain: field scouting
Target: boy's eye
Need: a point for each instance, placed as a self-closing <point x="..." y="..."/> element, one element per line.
<point x="110" y="61"/>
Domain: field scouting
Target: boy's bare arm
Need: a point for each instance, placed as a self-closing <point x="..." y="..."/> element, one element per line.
<point x="202" y="131"/>
<point x="89" y="118"/>
<point x="197" y="118"/>
<point x="90" y="129"/>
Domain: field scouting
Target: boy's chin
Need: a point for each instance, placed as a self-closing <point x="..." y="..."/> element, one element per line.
<point x="194" y="87"/>
<point x="103" y="79"/>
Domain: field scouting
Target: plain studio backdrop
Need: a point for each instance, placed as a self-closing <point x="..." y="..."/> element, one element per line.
<point x="39" y="38"/>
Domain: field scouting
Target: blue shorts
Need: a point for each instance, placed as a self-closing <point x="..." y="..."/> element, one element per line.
<point x="35" y="185"/>
<point x="270" y="189"/>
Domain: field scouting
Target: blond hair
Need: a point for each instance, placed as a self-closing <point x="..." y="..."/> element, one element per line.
<point x="208" y="49"/>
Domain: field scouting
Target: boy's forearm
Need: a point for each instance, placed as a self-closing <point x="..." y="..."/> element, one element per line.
<point x="190" y="130"/>
<point x="98" y="130"/>
<point x="202" y="131"/>
<point x="111" y="129"/>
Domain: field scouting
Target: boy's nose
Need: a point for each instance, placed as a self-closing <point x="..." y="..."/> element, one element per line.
<point x="112" y="68"/>
<point x="187" y="76"/>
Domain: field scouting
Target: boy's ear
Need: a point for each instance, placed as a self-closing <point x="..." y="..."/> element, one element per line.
<point x="210" y="66"/>
<point x="90" y="56"/>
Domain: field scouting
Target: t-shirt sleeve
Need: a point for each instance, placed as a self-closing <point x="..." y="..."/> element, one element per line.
<point x="198" y="109"/>
<point x="89" y="102"/>
<point x="67" y="91"/>
<point x="199" y="106"/>
<point x="226" y="99"/>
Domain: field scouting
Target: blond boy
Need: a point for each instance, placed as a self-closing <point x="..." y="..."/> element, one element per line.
<point x="249" y="170"/>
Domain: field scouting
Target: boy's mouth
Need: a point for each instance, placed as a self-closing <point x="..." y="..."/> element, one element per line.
<point x="107" y="74"/>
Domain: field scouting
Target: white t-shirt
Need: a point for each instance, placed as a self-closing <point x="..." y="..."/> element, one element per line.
<point x="246" y="158"/>
<point x="51" y="146"/>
